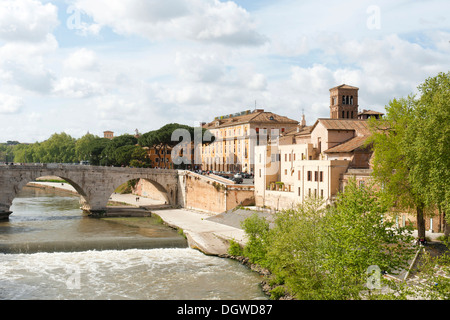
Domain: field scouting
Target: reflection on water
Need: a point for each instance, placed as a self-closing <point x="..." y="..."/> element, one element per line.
<point x="49" y="220"/>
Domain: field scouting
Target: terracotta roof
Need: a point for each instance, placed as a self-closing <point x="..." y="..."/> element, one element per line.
<point x="257" y="116"/>
<point x="299" y="130"/>
<point x="360" y="126"/>
<point x="344" y="86"/>
<point x="349" y="145"/>
<point x="370" y="112"/>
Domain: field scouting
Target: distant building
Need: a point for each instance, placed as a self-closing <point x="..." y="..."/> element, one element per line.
<point x="108" y="134"/>
<point x="366" y="114"/>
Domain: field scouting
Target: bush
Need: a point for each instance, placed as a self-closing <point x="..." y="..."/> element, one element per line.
<point x="235" y="249"/>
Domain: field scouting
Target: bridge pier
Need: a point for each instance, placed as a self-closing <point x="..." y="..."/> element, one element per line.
<point x="5" y="215"/>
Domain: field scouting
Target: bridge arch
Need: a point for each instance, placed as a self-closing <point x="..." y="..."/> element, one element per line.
<point x="94" y="184"/>
<point x="162" y="191"/>
<point x="18" y="185"/>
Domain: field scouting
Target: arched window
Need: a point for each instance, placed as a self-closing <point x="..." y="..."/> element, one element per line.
<point x="351" y="99"/>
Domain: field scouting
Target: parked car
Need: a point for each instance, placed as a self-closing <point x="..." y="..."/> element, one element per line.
<point x="237" y="178"/>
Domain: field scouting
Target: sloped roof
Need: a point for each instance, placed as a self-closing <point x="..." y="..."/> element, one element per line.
<point x="359" y="125"/>
<point x="349" y="145"/>
<point x="370" y="112"/>
<point x="344" y="86"/>
<point x="299" y="130"/>
<point x="254" y="117"/>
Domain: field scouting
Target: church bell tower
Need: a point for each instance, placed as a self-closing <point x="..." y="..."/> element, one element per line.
<point x="344" y="102"/>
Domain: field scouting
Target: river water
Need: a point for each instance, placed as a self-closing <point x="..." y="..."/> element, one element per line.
<point x="50" y="250"/>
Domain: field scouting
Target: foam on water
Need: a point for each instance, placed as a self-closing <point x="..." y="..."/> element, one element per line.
<point x="125" y="274"/>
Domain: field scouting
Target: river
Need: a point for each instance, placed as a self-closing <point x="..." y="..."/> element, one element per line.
<point x="50" y="250"/>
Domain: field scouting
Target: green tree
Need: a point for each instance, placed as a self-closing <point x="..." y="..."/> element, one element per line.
<point x="359" y="233"/>
<point x="166" y="138"/>
<point x="58" y="148"/>
<point x="320" y="252"/>
<point x="139" y="158"/>
<point x="110" y="152"/>
<point x="428" y="143"/>
<point x="90" y="147"/>
<point x="391" y="169"/>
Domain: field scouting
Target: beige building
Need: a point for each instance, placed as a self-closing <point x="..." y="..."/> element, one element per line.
<point x="312" y="160"/>
<point x="236" y="137"/>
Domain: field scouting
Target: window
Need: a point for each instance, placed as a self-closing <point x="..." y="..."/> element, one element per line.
<point x="299" y="191"/>
<point x="285" y="172"/>
<point x="260" y="173"/>
<point x="309" y="192"/>
<point x="309" y="175"/>
<point x="343" y="114"/>
<point x="321" y="176"/>
<point x="316" y="175"/>
<point x="321" y="193"/>
<point x="285" y="157"/>
<point x="299" y="175"/>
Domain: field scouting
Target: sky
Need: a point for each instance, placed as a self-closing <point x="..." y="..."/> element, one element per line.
<point x="79" y="66"/>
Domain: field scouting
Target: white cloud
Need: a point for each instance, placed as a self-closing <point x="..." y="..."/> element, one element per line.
<point x="76" y="88"/>
<point x="200" y="20"/>
<point x="82" y="60"/>
<point x="26" y="20"/>
<point x="10" y="104"/>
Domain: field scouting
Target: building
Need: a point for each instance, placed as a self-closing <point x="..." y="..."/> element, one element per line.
<point x="236" y="135"/>
<point x="108" y="134"/>
<point x="366" y="114"/>
<point x="313" y="160"/>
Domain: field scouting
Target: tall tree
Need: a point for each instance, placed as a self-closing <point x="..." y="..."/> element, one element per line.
<point x="109" y="152"/>
<point x="391" y="168"/>
<point x="428" y="143"/>
<point x="90" y="147"/>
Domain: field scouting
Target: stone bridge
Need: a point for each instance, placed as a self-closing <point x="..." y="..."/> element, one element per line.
<point x="95" y="184"/>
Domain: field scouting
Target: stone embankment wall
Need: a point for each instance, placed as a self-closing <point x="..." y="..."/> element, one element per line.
<point x="200" y="192"/>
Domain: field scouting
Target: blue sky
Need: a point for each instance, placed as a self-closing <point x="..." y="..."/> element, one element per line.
<point x="79" y="66"/>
